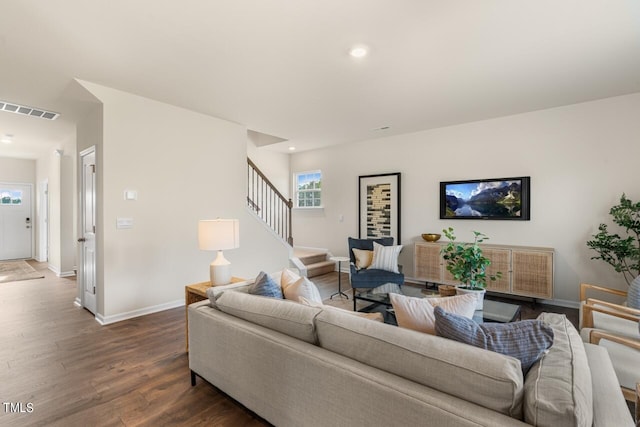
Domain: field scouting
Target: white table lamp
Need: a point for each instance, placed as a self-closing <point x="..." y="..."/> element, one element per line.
<point x="218" y="235"/>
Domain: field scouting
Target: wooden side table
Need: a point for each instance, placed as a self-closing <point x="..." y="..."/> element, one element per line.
<point x="198" y="292"/>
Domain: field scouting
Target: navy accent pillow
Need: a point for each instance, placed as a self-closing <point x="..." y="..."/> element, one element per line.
<point x="265" y="285"/>
<point x="526" y="340"/>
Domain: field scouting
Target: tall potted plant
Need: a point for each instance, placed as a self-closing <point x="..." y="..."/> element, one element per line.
<point x="468" y="265"/>
<point x="622" y="252"/>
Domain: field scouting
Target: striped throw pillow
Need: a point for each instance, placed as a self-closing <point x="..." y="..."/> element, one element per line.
<point x="526" y="340"/>
<point x="385" y="257"/>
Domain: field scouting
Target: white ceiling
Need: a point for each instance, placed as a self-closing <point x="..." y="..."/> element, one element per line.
<point x="282" y="67"/>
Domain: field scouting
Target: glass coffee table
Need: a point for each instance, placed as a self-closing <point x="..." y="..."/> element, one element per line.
<point x="493" y="311"/>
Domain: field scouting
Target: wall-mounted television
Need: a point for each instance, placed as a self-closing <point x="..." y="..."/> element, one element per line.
<point x="494" y="198"/>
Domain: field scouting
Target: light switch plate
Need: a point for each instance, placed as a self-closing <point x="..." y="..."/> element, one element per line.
<point x="124" y="223"/>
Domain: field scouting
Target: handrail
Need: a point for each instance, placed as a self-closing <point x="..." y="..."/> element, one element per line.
<point x="264" y="177"/>
<point x="268" y="203"/>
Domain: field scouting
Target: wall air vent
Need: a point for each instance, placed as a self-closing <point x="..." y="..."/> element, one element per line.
<point x="27" y="111"/>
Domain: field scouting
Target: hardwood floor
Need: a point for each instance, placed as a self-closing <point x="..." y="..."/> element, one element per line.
<point x="61" y="368"/>
<point x="56" y="359"/>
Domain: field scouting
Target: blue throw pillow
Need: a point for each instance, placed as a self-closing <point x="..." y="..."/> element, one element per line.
<point x="264" y="285"/>
<point x="526" y="340"/>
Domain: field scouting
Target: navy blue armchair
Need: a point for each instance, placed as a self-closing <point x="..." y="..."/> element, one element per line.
<point x="368" y="277"/>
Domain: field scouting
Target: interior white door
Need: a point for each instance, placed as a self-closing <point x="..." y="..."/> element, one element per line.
<point x="16" y="222"/>
<point x="88" y="237"/>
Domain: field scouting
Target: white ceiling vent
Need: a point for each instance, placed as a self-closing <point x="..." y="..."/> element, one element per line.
<point x="27" y="111"/>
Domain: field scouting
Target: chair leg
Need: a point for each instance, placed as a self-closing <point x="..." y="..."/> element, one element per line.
<point x="193" y="378"/>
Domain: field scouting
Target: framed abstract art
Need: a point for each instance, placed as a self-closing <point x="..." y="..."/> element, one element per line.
<point x="379" y="206"/>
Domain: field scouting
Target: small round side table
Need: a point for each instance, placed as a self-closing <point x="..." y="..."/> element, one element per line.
<point x="339" y="260"/>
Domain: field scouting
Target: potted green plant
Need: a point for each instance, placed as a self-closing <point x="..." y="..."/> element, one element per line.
<point x="622" y="252"/>
<point x="468" y="265"/>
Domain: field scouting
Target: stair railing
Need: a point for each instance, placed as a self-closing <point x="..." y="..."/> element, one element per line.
<point x="264" y="199"/>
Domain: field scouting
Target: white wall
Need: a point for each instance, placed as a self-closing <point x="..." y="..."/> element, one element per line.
<point x="17" y="170"/>
<point x="184" y="166"/>
<point x="58" y="170"/>
<point x="581" y="158"/>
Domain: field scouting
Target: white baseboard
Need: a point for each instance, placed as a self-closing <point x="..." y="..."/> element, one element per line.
<point x="106" y="320"/>
<point x="61" y="273"/>
<point x="71" y="273"/>
<point x="77" y="302"/>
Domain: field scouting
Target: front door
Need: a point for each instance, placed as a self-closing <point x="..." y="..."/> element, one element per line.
<point x="88" y="233"/>
<point x="16" y="222"/>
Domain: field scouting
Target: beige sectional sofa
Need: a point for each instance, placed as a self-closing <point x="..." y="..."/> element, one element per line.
<point x="296" y="365"/>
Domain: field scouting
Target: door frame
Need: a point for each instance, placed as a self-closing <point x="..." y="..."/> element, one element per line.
<point x="43" y="222"/>
<point x="31" y="212"/>
<point x="80" y="248"/>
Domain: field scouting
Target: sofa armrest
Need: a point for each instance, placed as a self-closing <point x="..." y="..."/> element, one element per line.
<point x="215" y="291"/>
<point x="609" y="406"/>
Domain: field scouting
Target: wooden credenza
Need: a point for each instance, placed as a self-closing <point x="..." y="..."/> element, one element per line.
<point x="526" y="271"/>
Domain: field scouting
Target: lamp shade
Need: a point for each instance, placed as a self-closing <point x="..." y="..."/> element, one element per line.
<point x="218" y="234"/>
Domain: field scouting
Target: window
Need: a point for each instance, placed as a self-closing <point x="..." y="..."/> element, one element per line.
<point x="10" y="197"/>
<point x="308" y="189"/>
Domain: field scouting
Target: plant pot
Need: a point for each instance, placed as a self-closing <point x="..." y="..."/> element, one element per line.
<point x="478" y="293"/>
<point x="633" y="295"/>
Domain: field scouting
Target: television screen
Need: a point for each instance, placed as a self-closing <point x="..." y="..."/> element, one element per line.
<point x="495" y="198"/>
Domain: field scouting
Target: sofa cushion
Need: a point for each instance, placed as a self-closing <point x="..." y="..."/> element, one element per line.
<point x="214" y="292"/>
<point x="417" y="313"/>
<point x="385" y="257"/>
<point x="265" y="286"/>
<point x="290" y="318"/>
<point x="378" y="317"/>
<point x="488" y="379"/>
<point x="526" y="340"/>
<point x="557" y="388"/>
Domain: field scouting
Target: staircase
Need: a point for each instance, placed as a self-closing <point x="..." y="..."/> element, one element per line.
<point x="264" y="199"/>
<point x="316" y="261"/>
<point x="268" y="204"/>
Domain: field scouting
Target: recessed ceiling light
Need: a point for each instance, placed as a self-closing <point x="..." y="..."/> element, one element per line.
<point x="292" y="148"/>
<point x="7" y="138"/>
<point x="359" y="51"/>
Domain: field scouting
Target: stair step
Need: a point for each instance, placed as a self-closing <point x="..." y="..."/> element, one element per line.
<point x="320" y="268"/>
<point x="313" y="258"/>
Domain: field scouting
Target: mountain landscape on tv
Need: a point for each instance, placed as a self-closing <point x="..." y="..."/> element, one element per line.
<point x="494" y="199"/>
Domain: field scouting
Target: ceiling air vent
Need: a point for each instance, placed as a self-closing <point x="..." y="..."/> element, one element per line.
<point x="27" y="111"/>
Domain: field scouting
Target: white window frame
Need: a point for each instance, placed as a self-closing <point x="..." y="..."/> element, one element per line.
<point x="297" y="192"/>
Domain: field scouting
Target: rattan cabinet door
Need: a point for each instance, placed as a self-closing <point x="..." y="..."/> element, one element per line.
<point x="532" y="273"/>
<point x="500" y="262"/>
<point x="427" y="262"/>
